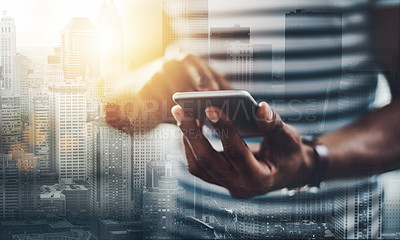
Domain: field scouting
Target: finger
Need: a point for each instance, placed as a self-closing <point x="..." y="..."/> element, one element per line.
<point x="274" y="129"/>
<point x="205" y="154"/>
<point x="194" y="168"/>
<point x="235" y="148"/>
<point x="191" y="129"/>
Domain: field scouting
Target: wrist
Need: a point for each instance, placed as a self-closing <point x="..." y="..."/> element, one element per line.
<point x="320" y="161"/>
<point x="310" y="161"/>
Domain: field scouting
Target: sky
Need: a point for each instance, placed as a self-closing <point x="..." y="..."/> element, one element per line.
<point x="39" y="22"/>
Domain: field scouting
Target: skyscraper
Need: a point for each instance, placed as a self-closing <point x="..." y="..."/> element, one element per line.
<point x="39" y="128"/>
<point x="68" y="133"/>
<point x="185" y="23"/>
<point x="7" y="52"/>
<point x="240" y="59"/>
<point x="109" y="173"/>
<point x="79" y="53"/>
<point x="9" y="187"/>
<point x="10" y="120"/>
<point x="391" y="204"/>
<point x="79" y="61"/>
<point x="221" y="36"/>
<point x="147" y="146"/>
<point x="160" y="208"/>
<point x="232" y="54"/>
<point x="110" y="29"/>
<point x="22" y="82"/>
<point x="357" y="211"/>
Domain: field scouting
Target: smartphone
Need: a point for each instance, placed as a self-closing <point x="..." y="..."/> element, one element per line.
<point x="239" y="105"/>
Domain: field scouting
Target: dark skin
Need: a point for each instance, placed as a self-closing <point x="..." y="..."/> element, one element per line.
<point x="368" y="146"/>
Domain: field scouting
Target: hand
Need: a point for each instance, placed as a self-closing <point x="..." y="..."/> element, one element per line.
<point x="151" y="104"/>
<point x="282" y="161"/>
<point x="190" y="73"/>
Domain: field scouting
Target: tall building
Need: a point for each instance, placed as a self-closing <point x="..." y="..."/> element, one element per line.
<point x="220" y="37"/>
<point x="110" y="29"/>
<point x="68" y="123"/>
<point x="10" y="120"/>
<point x="147" y="146"/>
<point x="391" y="204"/>
<point x="79" y="50"/>
<point x="110" y="175"/>
<point x="54" y="75"/>
<point x="154" y="172"/>
<point x="19" y="189"/>
<point x="76" y="198"/>
<point x="8" y="52"/>
<point x="160" y="208"/>
<point x="9" y="187"/>
<point x="39" y="128"/>
<point x="232" y="54"/>
<point x="357" y="210"/>
<point x="79" y="61"/>
<point x="54" y="72"/>
<point x="185" y="24"/>
<point x="28" y="183"/>
<point x="22" y="82"/>
<point x="240" y="65"/>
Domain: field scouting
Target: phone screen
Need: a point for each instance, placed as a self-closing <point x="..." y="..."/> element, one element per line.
<point x="238" y="105"/>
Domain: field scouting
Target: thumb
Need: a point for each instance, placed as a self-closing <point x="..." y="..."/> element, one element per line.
<point x="274" y="129"/>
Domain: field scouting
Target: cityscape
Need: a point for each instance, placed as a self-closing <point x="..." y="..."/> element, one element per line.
<point x="65" y="173"/>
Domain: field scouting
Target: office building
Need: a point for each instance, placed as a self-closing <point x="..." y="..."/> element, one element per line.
<point x="9" y="186"/>
<point x="240" y="65"/>
<point x="147" y="146"/>
<point x="357" y="210"/>
<point x="221" y="36"/>
<point x="10" y="120"/>
<point x="64" y="198"/>
<point x="185" y="24"/>
<point x="110" y="174"/>
<point x="110" y="29"/>
<point x="22" y="82"/>
<point x="79" y="53"/>
<point x="28" y="183"/>
<point x="54" y="73"/>
<point x="8" y="52"/>
<point x="74" y="234"/>
<point x="231" y="53"/>
<point x="39" y="128"/>
<point x="160" y="208"/>
<point x="76" y="198"/>
<point x="154" y="172"/>
<point x="68" y="122"/>
<point x="391" y="204"/>
<point x="34" y="226"/>
<point x="52" y="201"/>
<point x="114" y="230"/>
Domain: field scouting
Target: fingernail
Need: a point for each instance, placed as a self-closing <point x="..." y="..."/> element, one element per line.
<point x="212" y="115"/>
<point x="175" y="110"/>
<point x="265" y="111"/>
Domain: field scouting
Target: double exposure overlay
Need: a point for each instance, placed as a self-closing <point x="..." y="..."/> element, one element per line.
<point x="89" y="148"/>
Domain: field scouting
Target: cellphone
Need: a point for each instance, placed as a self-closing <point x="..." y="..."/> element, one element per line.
<point x="238" y="105"/>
